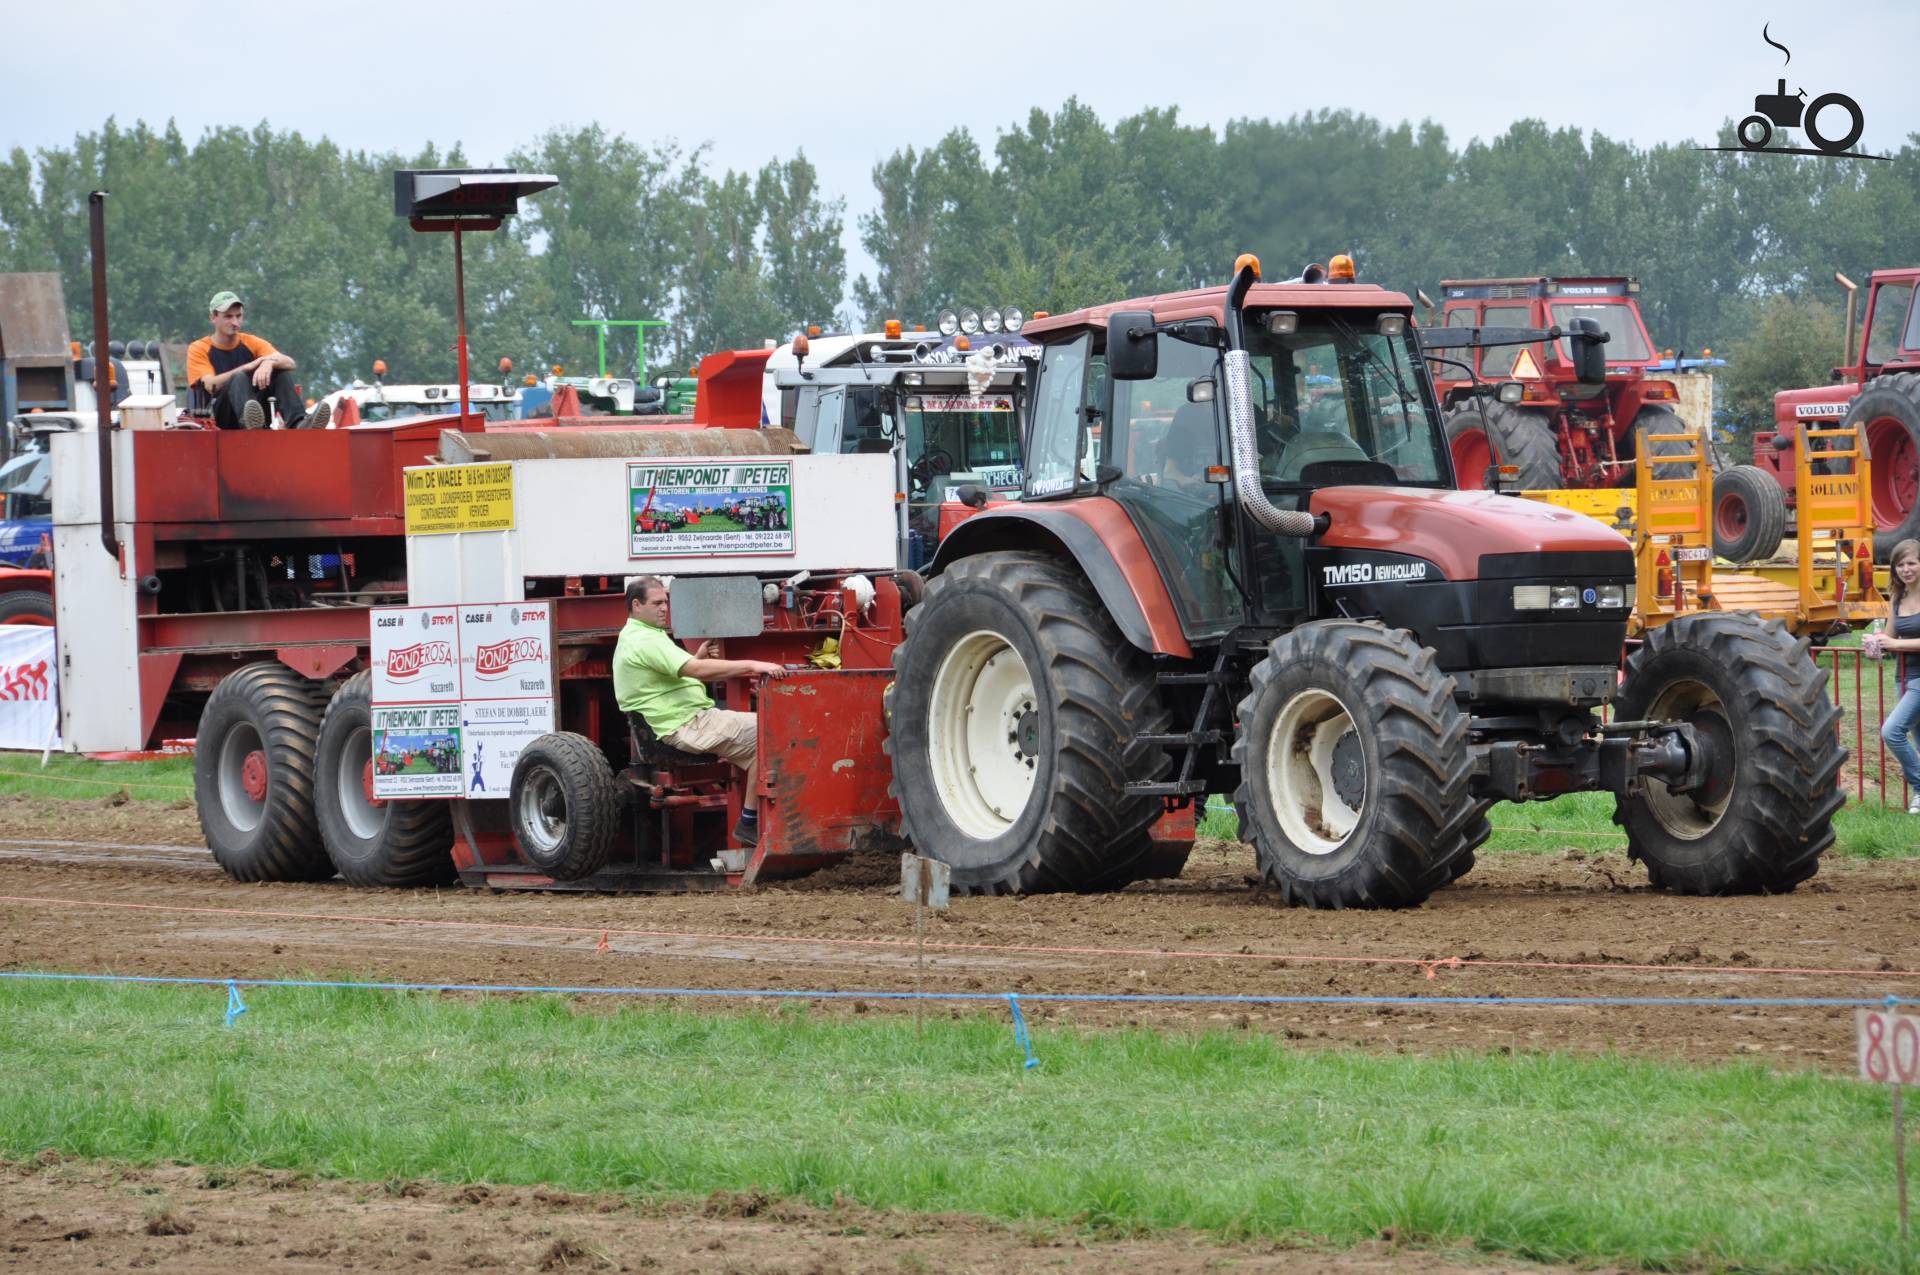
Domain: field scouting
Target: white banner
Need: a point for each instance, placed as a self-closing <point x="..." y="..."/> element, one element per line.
<point x="416" y="655"/>
<point x="27" y="673"/>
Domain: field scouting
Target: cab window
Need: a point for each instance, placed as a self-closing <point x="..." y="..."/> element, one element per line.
<point x="1498" y="360"/>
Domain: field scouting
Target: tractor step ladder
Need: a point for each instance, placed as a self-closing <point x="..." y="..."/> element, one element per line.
<point x="1189" y="743"/>
<point x="1672" y="532"/>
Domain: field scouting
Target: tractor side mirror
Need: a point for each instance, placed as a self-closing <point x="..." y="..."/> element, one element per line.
<point x="1510" y="392"/>
<point x="1589" y="358"/>
<point x="1133" y="353"/>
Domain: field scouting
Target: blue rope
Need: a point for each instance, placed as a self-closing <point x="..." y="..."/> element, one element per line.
<point x="1782" y="1002"/>
<point x="235" y="1006"/>
<point x="1020" y="1036"/>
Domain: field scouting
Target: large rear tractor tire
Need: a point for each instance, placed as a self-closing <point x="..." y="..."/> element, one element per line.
<point x="566" y="805"/>
<point x="26" y="606"/>
<point x="1889" y="411"/>
<point x="1483" y="435"/>
<point x="1753" y="695"/>
<point x="1017" y="716"/>
<point x="1658" y="420"/>
<point x="1354" y="769"/>
<point x="386" y="843"/>
<point x="1749" y="514"/>
<point x="253" y="773"/>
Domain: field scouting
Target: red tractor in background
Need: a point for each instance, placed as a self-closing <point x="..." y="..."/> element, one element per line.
<point x="1879" y="392"/>
<point x="1564" y="432"/>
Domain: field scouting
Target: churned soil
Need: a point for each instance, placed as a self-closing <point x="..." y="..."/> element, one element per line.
<point x="82" y="1215"/>
<point x="131" y="889"/>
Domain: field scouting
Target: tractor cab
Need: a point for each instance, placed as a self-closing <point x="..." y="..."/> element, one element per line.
<point x="949" y="413"/>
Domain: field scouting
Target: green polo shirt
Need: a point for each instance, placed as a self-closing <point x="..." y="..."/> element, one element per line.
<point x="647" y="681"/>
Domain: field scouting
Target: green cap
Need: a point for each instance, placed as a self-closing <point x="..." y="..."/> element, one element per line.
<point x="223" y="301"/>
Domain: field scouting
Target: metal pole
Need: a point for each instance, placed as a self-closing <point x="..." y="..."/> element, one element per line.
<point x="1900" y="1169"/>
<point x="102" y="366"/>
<point x="460" y="306"/>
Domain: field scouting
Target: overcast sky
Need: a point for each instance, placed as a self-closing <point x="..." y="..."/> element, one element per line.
<point x="850" y="83"/>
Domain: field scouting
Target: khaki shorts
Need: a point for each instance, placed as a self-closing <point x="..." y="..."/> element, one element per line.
<point x="719" y="731"/>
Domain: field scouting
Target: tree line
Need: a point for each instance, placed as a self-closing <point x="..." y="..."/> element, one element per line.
<point x="1062" y="209"/>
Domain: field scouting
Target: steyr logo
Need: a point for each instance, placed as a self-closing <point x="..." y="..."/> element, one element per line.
<point x="1833" y="122"/>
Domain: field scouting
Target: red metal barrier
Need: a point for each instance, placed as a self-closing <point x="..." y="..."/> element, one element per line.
<point x="1876" y="775"/>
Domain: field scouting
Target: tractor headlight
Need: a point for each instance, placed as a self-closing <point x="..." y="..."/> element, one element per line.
<point x="948" y="323"/>
<point x="970" y="321"/>
<point x="1014" y="317"/>
<point x="990" y="320"/>
<point x="1613" y="595"/>
<point x="1566" y="597"/>
<point x="1531" y="597"/>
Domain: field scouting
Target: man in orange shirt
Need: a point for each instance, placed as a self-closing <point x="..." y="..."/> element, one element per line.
<point x="239" y="374"/>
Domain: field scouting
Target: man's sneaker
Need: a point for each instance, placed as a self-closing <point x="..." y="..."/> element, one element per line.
<point x="253" y="416"/>
<point x="1913" y="804"/>
<point x="747" y="834"/>
<point x="319" y="416"/>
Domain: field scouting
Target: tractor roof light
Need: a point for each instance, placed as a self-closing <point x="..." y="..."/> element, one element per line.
<point x="1633" y="286"/>
<point x="530" y="379"/>
<point x="1043" y="314"/>
<point x="961" y="343"/>
<point x="1391" y="325"/>
<point x="1283" y="323"/>
<point x="1245" y="260"/>
<point x="506" y="367"/>
<point x="893" y="329"/>
<point x="1013" y="318"/>
<point x="990" y="320"/>
<point x="948" y="323"/>
<point x="1340" y="269"/>
<point x="813" y="329"/>
<point x="969" y="320"/>
<point x="379" y="367"/>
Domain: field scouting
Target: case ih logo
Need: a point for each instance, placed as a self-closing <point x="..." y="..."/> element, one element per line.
<point x="408" y="661"/>
<point x="498" y="659"/>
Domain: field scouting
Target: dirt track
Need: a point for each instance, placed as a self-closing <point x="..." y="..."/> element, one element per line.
<point x="1209" y="933"/>
<point x="81" y="1216"/>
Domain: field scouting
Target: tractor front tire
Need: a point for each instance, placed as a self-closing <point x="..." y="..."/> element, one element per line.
<point x="253" y="774"/>
<point x="1483" y="435"/>
<point x="566" y="805"/>
<point x="1765" y="814"/>
<point x="1354" y="769"/>
<point x="388" y="843"/>
<point x="1018" y="712"/>
<point x="1749" y="514"/>
<point x="1888" y="414"/>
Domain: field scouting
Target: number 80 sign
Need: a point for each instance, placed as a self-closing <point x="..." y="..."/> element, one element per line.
<point x="1889" y="1047"/>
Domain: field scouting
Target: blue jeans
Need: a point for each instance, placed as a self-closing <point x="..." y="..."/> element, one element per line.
<point x="1898" y="730"/>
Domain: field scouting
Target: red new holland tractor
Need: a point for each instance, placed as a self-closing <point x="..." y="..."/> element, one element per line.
<point x="1878" y="392"/>
<point x="1276" y="590"/>
<point x="1566" y="430"/>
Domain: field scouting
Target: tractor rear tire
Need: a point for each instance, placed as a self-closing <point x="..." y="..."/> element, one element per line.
<point x="1354" y="769"/>
<point x="1483" y="435"/>
<point x="391" y="843"/>
<point x="253" y="774"/>
<point x="1888" y="411"/>
<point x="1017" y="716"/>
<point x="1762" y="822"/>
<point x="26" y="606"/>
<point x="1658" y="420"/>
<point x="1749" y="514"/>
<point x="566" y="805"/>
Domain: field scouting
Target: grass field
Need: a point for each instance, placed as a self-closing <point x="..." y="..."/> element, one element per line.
<point x="79" y="778"/>
<point x="1594" y="1159"/>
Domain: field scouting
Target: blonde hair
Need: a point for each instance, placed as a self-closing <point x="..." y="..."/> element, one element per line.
<point x="1905" y="549"/>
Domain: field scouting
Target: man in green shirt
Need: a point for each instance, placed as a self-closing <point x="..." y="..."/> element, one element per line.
<point x="654" y="676"/>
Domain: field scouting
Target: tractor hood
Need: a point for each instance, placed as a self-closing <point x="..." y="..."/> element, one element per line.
<point x="1454" y="529"/>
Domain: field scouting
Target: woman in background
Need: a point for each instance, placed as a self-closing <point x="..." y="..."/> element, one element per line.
<point x="1902" y="638"/>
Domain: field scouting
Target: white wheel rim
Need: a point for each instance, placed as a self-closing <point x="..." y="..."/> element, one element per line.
<point x="543" y="810"/>
<point x="1678" y="812"/>
<point x="350" y="786"/>
<point x="241" y="810"/>
<point x="983" y="734"/>
<point x="1310" y="755"/>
